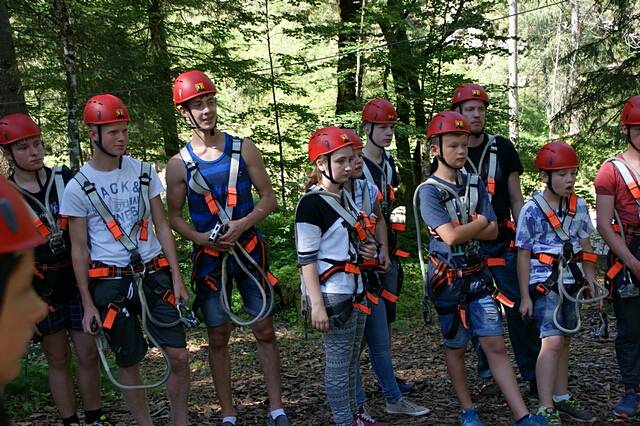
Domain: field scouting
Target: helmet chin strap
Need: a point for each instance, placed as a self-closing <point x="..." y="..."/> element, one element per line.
<point x="440" y="157"/>
<point x="99" y="143"/>
<point x="370" y="135"/>
<point x="629" y="139"/>
<point x="35" y="172"/>
<point x="194" y="124"/>
<point x="550" y="185"/>
<point x="330" y="175"/>
<point x="474" y="134"/>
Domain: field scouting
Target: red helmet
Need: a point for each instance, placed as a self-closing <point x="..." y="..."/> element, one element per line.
<point x="105" y="109"/>
<point x="447" y="122"/>
<point x="17" y="230"/>
<point x="356" y="142"/>
<point x="327" y="140"/>
<point x="380" y="111"/>
<point x="16" y="127"/>
<point x="557" y="155"/>
<point x="631" y="113"/>
<point x="468" y="92"/>
<point x="191" y="84"/>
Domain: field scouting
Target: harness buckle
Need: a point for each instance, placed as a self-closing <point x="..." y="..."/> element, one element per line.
<point x="57" y="244"/>
<point x="218" y="230"/>
<point x="187" y="317"/>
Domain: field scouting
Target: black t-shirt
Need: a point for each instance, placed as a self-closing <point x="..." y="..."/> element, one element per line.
<point x="43" y="253"/>
<point x="508" y="162"/>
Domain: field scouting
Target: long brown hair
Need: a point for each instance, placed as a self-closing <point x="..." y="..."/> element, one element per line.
<point x="314" y="177"/>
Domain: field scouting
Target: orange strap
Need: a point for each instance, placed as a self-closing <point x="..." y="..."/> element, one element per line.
<point x="615" y="269"/>
<point x="37" y="273"/>
<point x="211" y="203"/>
<point x="251" y="245"/>
<point x="401" y="253"/>
<point x="362" y="308"/>
<point x="400" y="227"/>
<point x="633" y="188"/>
<point x="211" y="252"/>
<point x="379" y="197"/>
<point x="573" y="204"/>
<point x="144" y="229"/>
<point x="509" y="225"/>
<point x="100" y="272"/>
<point x="114" y="228"/>
<point x="362" y="233"/>
<point x="64" y="222"/>
<point x="112" y="312"/>
<point x="369" y="263"/>
<point x="41" y="228"/>
<point x="462" y="311"/>
<point x="232" y="197"/>
<point x="588" y="256"/>
<point x="272" y="279"/>
<point x="387" y="295"/>
<point x="500" y="297"/>
<point x="169" y="297"/>
<point x="545" y="258"/>
<point x="351" y="268"/>
<point x="495" y="261"/>
<point x="210" y="282"/>
<point x="491" y="186"/>
<point x="372" y="297"/>
<point x="392" y="193"/>
<point x="553" y="219"/>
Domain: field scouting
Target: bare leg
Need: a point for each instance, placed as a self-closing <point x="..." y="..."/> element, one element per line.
<point x="88" y="369"/>
<point x="547" y="368"/>
<point x="220" y="366"/>
<point x="58" y="354"/>
<point x="458" y="375"/>
<point x="136" y="399"/>
<point x="561" y="385"/>
<point x="178" y="385"/>
<point x="270" y="360"/>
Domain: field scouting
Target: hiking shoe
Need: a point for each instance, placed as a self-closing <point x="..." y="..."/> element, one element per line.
<point x="362" y="418"/>
<point x="404" y="406"/>
<point x="470" y="417"/>
<point x="102" y="421"/>
<point x="627" y="405"/>
<point x="551" y="414"/>
<point x="489" y="388"/>
<point x="533" y="421"/>
<point x="572" y="408"/>
<point x="405" y="387"/>
<point x="281" y="420"/>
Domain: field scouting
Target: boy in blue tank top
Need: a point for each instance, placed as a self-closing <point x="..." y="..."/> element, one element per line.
<point x="214" y="173"/>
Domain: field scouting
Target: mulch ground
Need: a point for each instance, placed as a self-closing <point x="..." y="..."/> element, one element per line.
<point x="418" y="357"/>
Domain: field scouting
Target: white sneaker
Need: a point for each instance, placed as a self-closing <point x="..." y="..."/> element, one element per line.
<point x="407" y="407"/>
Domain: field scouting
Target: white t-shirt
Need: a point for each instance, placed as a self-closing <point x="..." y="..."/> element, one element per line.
<point x="119" y="189"/>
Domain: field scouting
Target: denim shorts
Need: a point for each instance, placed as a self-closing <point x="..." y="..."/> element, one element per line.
<point x="543" y="312"/>
<point x="483" y="317"/>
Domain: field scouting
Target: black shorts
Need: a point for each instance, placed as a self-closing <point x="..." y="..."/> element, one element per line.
<point x="125" y="336"/>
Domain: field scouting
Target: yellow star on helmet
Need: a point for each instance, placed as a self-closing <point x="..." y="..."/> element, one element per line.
<point x="119" y="113"/>
<point x="459" y="124"/>
<point x="475" y="92"/>
<point x="344" y="137"/>
<point x="199" y="87"/>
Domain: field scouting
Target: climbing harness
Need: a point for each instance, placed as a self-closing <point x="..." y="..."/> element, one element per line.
<point x="240" y="253"/>
<point x="566" y="259"/>
<point x="492" y="148"/>
<point x="137" y="270"/>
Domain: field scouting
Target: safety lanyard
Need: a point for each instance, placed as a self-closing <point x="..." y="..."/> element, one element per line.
<point x="386" y="174"/>
<point x="460" y="211"/>
<point x="492" y="148"/>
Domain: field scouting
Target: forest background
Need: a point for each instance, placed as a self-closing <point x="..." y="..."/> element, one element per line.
<point x="285" y="68"/>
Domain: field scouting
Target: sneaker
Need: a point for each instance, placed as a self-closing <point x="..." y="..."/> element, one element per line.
<point x="281" y="420"/>
<point x="627" y="405"/>
<point x="362" y="418"/>
<point x="489" y="388"/>
<point x="572" y="408"/>
<point x="405" y="406"/>
<point x="405" y="387"/>
<point x="470" y="417"/>
<point x="102" y="421"/>
<point x="533" y="421"/>
<point x="551" y="414"/>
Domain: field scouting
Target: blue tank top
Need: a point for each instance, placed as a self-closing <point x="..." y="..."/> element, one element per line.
<point x="216" y="173"/>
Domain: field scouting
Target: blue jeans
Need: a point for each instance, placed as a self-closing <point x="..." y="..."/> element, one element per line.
<point x="543" y="308"/>
<point x="376" y="334"/>
<point x="523" y="334"/>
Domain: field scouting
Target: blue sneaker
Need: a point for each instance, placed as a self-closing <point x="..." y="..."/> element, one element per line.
<point x="627" y="405"/>
<point x="533" y="421"/>
<point x="470" y="417"/>
<point x="405" y="387"/>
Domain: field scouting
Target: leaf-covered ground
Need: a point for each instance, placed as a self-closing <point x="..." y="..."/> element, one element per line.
<point x="418" y="357"/>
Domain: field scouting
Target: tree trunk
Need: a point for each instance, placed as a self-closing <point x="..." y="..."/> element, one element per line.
<point x="574" y="66"/>
<point x="402" y="67"/>
<point x="65" y="39"/>
<point x="359" y="64"/>
<point x="11" y="91"/>
<point x="513" y="72"/>
<point x="160" y="57"/>
<point x="347" y="38"/>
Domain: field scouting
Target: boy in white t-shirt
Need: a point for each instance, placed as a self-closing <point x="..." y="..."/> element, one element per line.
<point x="112" y="222"/>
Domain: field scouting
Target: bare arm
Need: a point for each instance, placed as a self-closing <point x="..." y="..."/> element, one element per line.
<point x="79" y="256"/>
<point x="604" y="209"/>
<point x="523" y="265"/>
<point x="516" y="200"/>
<point x="168" y="244"/>
<point x="489" y="233"/>
<point x="458" y="234"/>
<point x="588" y="267"/>
<point x="319" y="318"/>
<point x="382" y="237"/>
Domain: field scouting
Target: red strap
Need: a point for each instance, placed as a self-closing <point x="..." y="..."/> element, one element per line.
<point x="392" y="194"/>
<point x="509" y="225"/>
<point x="401" y="253"/>
<point x="232" y="197"/>
<point x="379" y="197"/>
<point x="362" y="308"/>
<point x="616" y="227"/>
<point x="362" y="234"/>
<point x="496" y="261"/>
<point x="615" y="269"/>
<point x="211" y="203"/>
<point x="112" y="312"/>
<point x="144" y="229"/>
<point x="114" y="228"/>
<point x="64" y="222"/>
<point x="387" y="295"/>
<point x="41" y="228"/>
<point x="400" y="227"/>
<point x="251" y="245"/>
